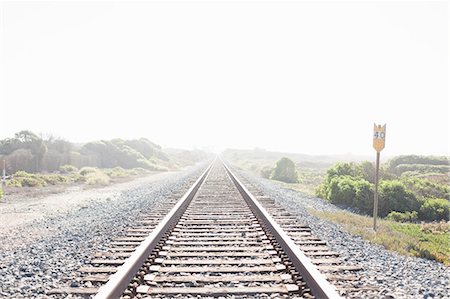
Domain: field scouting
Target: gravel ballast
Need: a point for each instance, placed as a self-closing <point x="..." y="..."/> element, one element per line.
<point x="70" y="240"/>
<point x="394" y="275"/>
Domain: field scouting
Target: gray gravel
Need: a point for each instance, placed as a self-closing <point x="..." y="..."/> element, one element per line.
<point x="395" y="275"/>
<point x="50" y="262"/>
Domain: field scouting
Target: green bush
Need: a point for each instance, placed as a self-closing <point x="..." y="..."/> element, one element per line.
<point x="366" y="170"/>
<point x="86" y="170"/>
<point x="68" y="169"/>
<point x="402" y="199"/>
<point x="395" y="197"/>
<point x="342" y="190"/>
<point x="350" y="191"/>
<point x="342" y="169"/>
<point x="13" y="183"/>
<point x="32" y="182"/>
<point x="322" y="191"/>
<point x="1" y="192"/>
<point x="285" y="171"/>
<point x="76" y="177"/>
<point x="421" y="168"/>
<point x="402" y="217"/>
<point x="25" y="179"/>
<point x="23" y="174"/>
<point x="426" y="188"/>
<point x="435" y="209"/>
<point x="55" y="179"/>
<point x="364" y="196"/>
<point x="97" y="178"/>
<point x="266" y="172"/>
<point x="414" y="159"/>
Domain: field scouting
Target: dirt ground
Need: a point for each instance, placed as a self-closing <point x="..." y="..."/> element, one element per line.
<point x="26" y="206"/>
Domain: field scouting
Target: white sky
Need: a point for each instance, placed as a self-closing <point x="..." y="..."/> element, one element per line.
<point x="309" y="77"/>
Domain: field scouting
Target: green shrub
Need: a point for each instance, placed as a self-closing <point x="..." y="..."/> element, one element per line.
<point x="13" y="183"/>
<point x="402" y="217"/>
<point x="322" y="191"/>
<point x="366" y="170"/>
<point x="55" y="179"/>
<point x="266" y="172"/>
<point x="97" y="178"/>
<point x="285" y="171"/>
<point x="364" y="196"/>
<point x="76" y="177"/>
<point x="350" y="191"/>
<point x="116" y="172"/>
<point x="426" y="188"/>
<point x="68" y="169"/>
<point x="395" y="197"/>
<point x="1" y="192"/>
<point x="342" y="190"/>
<point x="435" y="209"/>
<point x="421" y="168"/>
<point x="25" y="179"/>
<point x="86" y="170"/>
<point x="414" y="159"/>
<point x="32" y="182"/>
<point x="23" y="174"/>
<point x="342" y="169"/>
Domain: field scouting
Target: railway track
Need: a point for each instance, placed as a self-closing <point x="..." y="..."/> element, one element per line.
<point x="217" y="240"/>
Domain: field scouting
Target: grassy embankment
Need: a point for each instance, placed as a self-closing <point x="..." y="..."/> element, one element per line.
<point x="431" y="241"/>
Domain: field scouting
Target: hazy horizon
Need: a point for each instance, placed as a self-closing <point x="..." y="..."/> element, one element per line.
<point x="299" y="77"/>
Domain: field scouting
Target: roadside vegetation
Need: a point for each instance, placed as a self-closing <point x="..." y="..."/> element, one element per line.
<point x="405" y="196"/>
<point x="29" y="152"/>
<point x="412" y="188"/>
<point x="34" y="161"/>
<point x="69" y="174"/>
<point x="426" y="240"/>
<point x="311" y="170"/>
<point x="284" y="171"/>
<point x="414" y="197"/>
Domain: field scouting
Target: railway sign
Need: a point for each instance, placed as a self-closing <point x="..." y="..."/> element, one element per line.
<point x="379" y="137"/>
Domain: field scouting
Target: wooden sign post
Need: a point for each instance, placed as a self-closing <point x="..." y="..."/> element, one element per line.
<point x="379" y="138"/>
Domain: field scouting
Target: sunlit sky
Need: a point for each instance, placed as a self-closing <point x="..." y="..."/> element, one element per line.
<point x="307" y="77"/>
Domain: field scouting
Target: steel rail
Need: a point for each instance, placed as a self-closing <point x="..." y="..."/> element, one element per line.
<point x="315" y="280"/>
<point x="119" y="281"/>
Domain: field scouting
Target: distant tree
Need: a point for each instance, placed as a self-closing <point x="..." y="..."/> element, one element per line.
<point x="21" y="159"/>
<point x="9" y="145"/>
<point x="17" y="151"/>
<point x="26" y="136"/>
<point x="285" y="171"/>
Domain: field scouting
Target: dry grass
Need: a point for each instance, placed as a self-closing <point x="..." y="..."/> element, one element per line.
<point x="405" y="238"/>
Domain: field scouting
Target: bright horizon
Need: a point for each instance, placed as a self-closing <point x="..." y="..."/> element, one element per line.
<point x="300" y="77"/>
